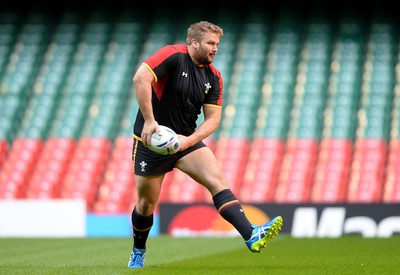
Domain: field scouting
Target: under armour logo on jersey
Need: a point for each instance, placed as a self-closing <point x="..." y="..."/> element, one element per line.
<point x="208" y="87"/>
<point x="143" y="166"/>
<point x="184" y="74"/>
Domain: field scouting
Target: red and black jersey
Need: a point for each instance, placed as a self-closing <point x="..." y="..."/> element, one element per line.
<point x="180" y="90"/>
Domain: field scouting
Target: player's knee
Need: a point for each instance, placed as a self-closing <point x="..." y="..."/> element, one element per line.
<point x="146" y="207"/>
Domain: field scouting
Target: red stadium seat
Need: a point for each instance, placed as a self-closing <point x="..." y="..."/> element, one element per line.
<point x="296" y="172"/>
<point x="3" y="151"/>
<point x="367" y="171"/>
<point x="164" y="196"/>
<point x="332" y="171"/>
<point x="183" y="189"/>
<point x="51" y="167"/>
<point x="232" y="153"/>
<point x="391" y="190"/>
<point x="109" y="207"/>
<point x="261" y="171"/>
<point x="118" y="183"/>
<point x="18" y="167"/>
<point x="11" y="186"/>
<point x="83" y="177"/>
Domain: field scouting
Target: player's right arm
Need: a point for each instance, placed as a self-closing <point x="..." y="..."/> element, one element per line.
<point x="142" y="81"/>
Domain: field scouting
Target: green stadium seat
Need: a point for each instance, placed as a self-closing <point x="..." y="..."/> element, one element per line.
<point x="10" y="107"/>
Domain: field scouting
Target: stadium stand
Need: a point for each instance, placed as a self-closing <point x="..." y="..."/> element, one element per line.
<point x="51" y="166"/>
<point x="311" y="102"/>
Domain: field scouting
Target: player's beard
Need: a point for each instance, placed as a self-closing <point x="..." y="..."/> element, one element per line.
<point x="204" y="58"/>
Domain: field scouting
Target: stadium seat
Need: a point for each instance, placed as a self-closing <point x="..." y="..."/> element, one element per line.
<point x="86" y="168"/>
<point x="391" y="188"/>
<point x="296" y="172"/>
<point x="164" y="196"/>
<point x="175" y="182"/>
<point x="18" y="167"/>
<point x="391" y="191"/>
<point x="51" y="167"/>
<point x="261" y="170"/>
<point x="118" y="184"/>
<point x="117" y="193"/>
<point x="232" y="154"/>
<point x="10" y="107"/>
<point x="24" y="57"/>
<point x="367" y="171"/>
<point x="332" y="171"/>
<point x="183" y="189"/>
<point x="3" y="151"/>
<point x="311" y="109"/>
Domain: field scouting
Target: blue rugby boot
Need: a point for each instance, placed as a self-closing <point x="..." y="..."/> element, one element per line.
<point x="264" y="233"/>
<point x="136" y="259"/>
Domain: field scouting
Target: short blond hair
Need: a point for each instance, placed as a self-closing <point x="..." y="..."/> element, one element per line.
<point x="197" y="30"/>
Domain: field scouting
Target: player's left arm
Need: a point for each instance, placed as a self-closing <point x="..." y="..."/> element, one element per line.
<point x="212" y="118"/>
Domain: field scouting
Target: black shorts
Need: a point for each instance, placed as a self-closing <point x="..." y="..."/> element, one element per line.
<point x="148" y="163"/>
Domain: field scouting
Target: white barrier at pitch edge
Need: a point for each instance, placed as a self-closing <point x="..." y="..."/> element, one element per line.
<point x="42" y="218"/>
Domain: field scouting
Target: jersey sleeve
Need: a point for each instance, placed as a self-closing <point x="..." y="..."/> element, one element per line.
<point x="214" y="97"/>
<point x="162" y="61"/>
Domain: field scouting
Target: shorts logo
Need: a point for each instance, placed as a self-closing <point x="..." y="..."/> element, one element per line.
<point x="143" y="166"/>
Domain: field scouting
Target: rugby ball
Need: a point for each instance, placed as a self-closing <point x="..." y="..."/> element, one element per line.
<point x="167" y="143"/>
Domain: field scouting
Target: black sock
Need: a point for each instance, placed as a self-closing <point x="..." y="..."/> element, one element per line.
<point x="141" y="228"/>
<point x="230" y="209"/>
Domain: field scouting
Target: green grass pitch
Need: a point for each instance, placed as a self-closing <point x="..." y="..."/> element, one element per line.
<point x="167" y="255"/>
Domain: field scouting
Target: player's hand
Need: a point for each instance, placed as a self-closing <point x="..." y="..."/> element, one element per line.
<point x="149" y="128"/>
<point x="183" y="143"/>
